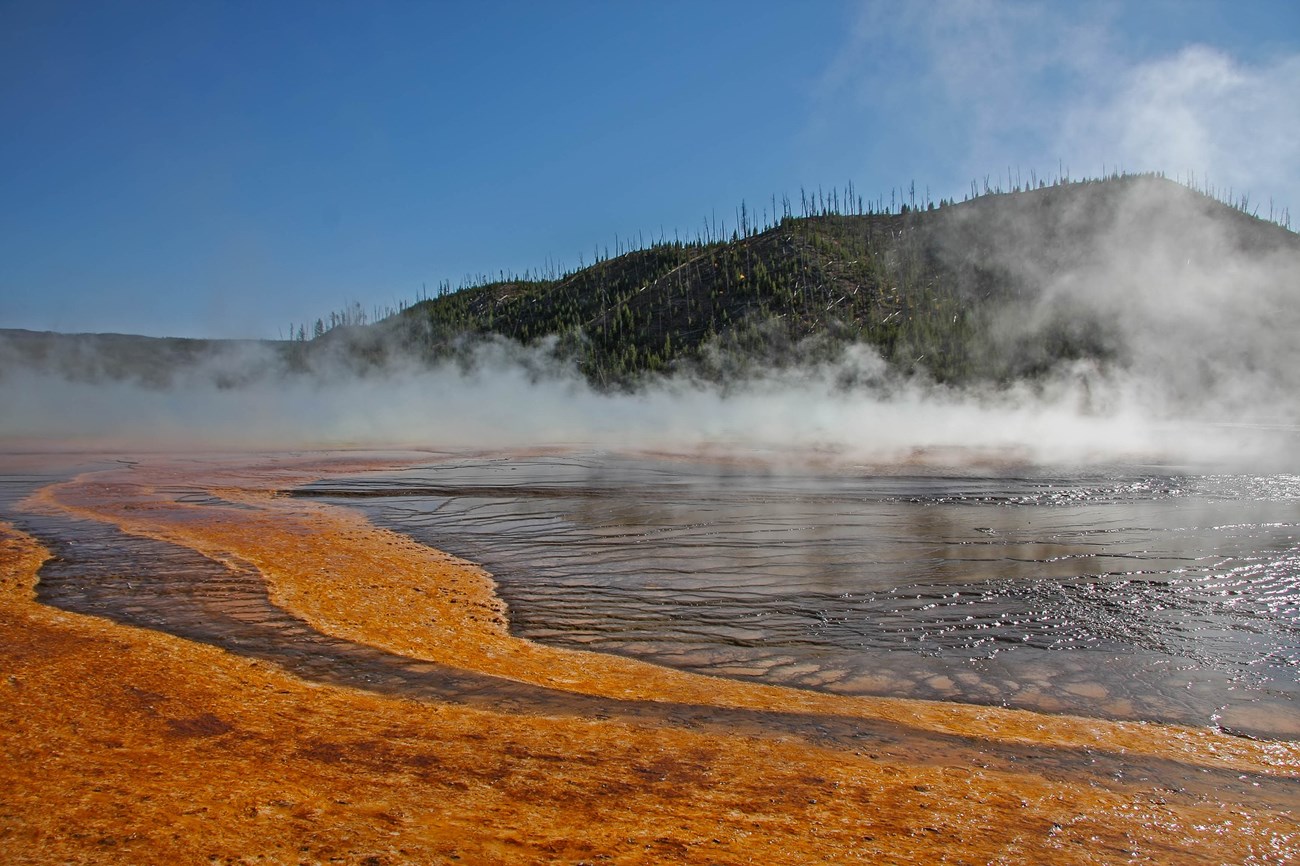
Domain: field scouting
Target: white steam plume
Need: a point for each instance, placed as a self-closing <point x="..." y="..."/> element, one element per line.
<point x="1203" y="115"/>
<point x="1040" y="88"/>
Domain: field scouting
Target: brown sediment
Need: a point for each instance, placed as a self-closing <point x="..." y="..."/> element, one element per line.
<point x="123" y="745"/>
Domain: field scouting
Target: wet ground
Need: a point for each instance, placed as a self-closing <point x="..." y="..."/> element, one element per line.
<point x="1125" y="593"/>
<point x="365" y="703"/>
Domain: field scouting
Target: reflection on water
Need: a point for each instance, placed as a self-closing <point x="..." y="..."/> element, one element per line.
<point x="99" y="570"/>
<point x="1117" y="593"/>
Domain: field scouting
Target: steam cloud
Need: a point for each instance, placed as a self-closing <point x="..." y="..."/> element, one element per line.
<point x="975" y="71"/>
<point x="1208" y="369"/>
<point x="1208" y="117"/>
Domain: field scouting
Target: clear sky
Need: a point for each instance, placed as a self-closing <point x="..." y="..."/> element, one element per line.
<point x="224" y="168"/>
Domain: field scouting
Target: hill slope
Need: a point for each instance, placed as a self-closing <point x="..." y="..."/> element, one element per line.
<point x="1123" y="273"/>
<point x="961" y="291"/>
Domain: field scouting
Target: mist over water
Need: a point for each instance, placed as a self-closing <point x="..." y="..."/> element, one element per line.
<point x="1198" y="313"/>
<point x="501" y="406"/>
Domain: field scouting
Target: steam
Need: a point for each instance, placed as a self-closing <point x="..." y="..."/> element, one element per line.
<point x="1031" y="86"/>
<point x="1203" y="311"/>
<point x="1201" y="303"/>
<point x="1202" y="315"/>
<point x="1198" y="303"/>
<point x="501" y="403"/>
<point x="498" y="406"/>
<point x="1208" y="117"/>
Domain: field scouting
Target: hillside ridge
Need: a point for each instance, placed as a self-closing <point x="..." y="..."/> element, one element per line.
<point x="925" y="288"/>
<point x="956" y="292"/>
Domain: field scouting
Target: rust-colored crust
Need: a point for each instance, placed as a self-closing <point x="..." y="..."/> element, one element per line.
<point x="120" y="745"/>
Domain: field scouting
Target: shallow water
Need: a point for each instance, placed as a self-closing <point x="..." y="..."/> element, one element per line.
<point x="1125" y="593"/>
<point x="98" y="569"/>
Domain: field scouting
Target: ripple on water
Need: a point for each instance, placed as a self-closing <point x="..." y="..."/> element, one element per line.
<point x="1120" y="593"/>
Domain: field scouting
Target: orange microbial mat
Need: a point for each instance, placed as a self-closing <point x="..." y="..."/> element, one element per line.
<point x="435" y="736"/>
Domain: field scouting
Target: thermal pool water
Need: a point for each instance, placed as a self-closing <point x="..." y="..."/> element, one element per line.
<point x="366" y="701"/>
<point x="1136" y="593"/>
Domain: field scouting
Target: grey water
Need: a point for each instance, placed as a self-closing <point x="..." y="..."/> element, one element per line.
<point x="1121" y="592"/>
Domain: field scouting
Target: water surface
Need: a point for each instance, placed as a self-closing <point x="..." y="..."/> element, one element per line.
<point x="1121" y="592"/>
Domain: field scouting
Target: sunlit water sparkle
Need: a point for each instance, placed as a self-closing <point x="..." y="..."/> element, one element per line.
<point x="1127" y="593"/>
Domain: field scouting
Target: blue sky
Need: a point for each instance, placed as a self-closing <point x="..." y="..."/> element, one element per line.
<point x="221" y="169"/>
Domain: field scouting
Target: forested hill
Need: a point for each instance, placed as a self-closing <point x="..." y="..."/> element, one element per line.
<point x="1004" y="286"/>
<point x="946" y="289"/>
